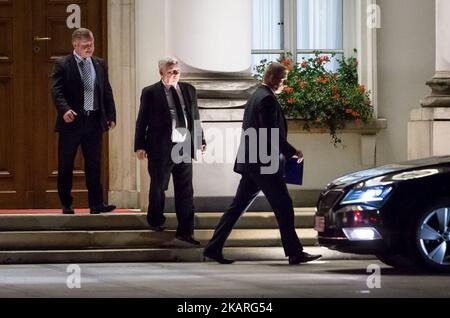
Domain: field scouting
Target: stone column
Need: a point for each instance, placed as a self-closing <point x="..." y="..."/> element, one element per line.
<point x="210" y="35"/>
<point x="442" y="39"/>
<point x="429" y="128"/>
<point x="440" y="84"/>
<point x="121" y="60"/>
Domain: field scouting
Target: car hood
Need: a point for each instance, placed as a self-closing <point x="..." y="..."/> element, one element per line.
<point x="365" y="175"/>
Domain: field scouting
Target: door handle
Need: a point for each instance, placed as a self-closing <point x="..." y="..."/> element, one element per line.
<point x="41" y="39"/>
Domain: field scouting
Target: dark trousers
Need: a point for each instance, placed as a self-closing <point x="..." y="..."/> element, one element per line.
<point x="276" y="192"/>
<point x="89" y="136"/>
<point x="184" y="193"/>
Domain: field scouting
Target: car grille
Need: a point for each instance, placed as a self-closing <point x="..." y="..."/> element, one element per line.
<point x="327" y="200"/>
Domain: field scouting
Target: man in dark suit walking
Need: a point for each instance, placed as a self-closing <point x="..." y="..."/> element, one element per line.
<point x="264" y="138"/>
<point x="168" y="134"/>
<point x="84" y="101"/>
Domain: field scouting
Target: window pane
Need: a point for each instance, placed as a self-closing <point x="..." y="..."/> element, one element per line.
<point x="320" y="24"/>
<point x="331" y="66"/>
<point x="257" y="58"/>
<point x="267" y="24"/>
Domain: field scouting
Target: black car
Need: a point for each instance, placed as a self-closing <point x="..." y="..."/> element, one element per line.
<point x="398" y="212"/>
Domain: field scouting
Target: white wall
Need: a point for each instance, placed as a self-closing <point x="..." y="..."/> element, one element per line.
<point x="406" y="60"/>
<point x="323" y="161"/>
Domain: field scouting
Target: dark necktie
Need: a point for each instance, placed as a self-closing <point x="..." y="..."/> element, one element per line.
<point x="181" y="123"/>
<point x="88" y="85"/>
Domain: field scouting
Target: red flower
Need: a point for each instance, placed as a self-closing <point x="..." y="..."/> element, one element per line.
<point x="302" y="85"/>
<point x="305" y="64"/>
<point x="286" y="62"/>
<point x="322" y="80"/>
<point x="291" y="101"/>
<point x="323" y="59"/>
<point x="335" y="89"/>
<point x="336" y="97"/>
<point x="289" y="90"/>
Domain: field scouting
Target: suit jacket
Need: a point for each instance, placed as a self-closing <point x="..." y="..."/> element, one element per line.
<point x="154" y="123"/>
<point x="68" y="92"/>
<point x="263" y="111"/>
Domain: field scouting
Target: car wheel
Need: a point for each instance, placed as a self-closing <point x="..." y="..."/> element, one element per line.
<point x="431" y="237"/>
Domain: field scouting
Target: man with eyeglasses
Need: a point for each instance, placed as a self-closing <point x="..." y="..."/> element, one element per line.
<point x="168" y="134"/>
<point x="84" y="100"/>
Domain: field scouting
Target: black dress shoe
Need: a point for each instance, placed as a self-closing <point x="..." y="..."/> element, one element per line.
<point x="188" y="239"/>
<point x="218" y="258"/>
<point x="103" y="209"/>
<point x="303" y="258"/>
<point x="67" y="210"/>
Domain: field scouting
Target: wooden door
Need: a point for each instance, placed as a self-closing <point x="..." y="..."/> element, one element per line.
<point x="14" y="143"/>
<point x="37" y="33"/>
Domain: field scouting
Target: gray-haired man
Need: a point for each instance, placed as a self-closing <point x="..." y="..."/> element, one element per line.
<point x="169" y="119"/>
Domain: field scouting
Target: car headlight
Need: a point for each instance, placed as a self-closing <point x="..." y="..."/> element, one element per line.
<point x="374" y="195"/>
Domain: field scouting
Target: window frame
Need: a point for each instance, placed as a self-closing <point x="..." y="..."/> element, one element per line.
<point x="289" y="10"/>
<point x="356" y="35"/>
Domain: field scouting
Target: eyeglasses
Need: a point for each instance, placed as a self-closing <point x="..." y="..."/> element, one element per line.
<point x="174" y="72"/>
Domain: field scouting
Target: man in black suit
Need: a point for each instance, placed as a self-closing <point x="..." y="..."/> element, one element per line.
<point x="84" y="101"/>
<point x="168" y="134"/>
<point x="261" y="157"/>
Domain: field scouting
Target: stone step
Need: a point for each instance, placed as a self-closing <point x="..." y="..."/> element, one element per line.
<point x="158" y="255"/>
<point x="304" y="218"/>
<point x="46" y="240"/>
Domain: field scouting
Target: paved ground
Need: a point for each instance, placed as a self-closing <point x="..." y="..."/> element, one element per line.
<point x="345" y="278"/>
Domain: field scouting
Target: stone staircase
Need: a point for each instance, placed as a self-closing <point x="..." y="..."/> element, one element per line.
<point x="45" y="238"/>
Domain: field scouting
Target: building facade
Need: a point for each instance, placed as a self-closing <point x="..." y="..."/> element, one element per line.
<point x="213" y="39"/>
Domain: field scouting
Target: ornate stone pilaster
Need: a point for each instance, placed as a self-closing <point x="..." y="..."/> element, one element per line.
<point x="429" y="127"/>
<point x="440" y="84"/>
<point x="122" y="72"/>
